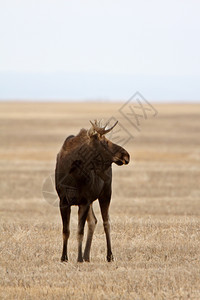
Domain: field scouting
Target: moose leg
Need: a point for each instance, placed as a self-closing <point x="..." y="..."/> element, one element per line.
<point x="82" y="215"/>
<point x="104" y="205"/>
<point x="92" y="221"/>
<point x="65" y="213"/>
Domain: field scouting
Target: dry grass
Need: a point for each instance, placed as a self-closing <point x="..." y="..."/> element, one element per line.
<point x="155" y="208"/>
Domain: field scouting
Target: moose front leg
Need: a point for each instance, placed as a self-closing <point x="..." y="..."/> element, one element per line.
<point x="104" y="205"/>
<point x="82" y="215"/>
<point x="92" y="221"/>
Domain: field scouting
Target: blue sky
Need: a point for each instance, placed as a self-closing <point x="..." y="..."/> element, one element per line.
<point x="99" y="49"/>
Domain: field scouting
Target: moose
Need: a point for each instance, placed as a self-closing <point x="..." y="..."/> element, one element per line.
<point x="83" y="174"/>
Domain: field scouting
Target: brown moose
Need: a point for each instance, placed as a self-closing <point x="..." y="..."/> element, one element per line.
<point x="83" y="174"/>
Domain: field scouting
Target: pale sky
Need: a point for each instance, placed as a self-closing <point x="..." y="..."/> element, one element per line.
<point x="100" y="49"/>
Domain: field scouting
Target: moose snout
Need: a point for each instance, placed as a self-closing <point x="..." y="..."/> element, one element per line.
<point x="122" y="159"/>
<point x="126" y="159"/>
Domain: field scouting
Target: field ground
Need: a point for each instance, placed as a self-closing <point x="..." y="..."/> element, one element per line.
<point x="155" y="209"/>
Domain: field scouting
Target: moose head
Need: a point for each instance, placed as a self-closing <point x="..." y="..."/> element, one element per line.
<point x="104" y="148"/>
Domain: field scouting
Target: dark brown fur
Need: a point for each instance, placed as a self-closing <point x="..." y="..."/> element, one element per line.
<point x="83" y="174"/>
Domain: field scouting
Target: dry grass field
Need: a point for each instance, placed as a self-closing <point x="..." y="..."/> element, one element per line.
<point x="155" y="208"/>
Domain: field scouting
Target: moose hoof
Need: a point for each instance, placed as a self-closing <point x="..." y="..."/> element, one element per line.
<point x="110" y="258"/>
<point x="79" y="260"/>
<point x="86" y="259"/>
<point x="64" y="259"/>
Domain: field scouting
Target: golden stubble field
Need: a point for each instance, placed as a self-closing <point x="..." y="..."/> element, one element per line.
<point x="155" y="208"/>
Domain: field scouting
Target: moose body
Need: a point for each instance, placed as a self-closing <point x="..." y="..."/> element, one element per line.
<point x="83" y="174"/>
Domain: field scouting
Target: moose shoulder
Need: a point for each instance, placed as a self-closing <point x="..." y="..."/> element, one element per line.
<point x="83" y="174"/>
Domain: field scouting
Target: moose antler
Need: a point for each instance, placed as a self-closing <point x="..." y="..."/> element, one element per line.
<point x="102" y="130"/>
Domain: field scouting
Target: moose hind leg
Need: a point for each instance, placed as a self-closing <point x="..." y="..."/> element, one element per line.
<point x="104" y="205"/>
<point x="82" y="215"/>
<point x="92" y="221"/>
<point x="65" y="213"/>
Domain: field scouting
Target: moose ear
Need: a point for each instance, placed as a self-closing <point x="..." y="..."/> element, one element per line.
<point x="92" y="133"/>
<point x="95" y="136"/>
